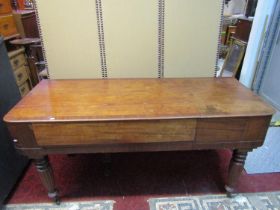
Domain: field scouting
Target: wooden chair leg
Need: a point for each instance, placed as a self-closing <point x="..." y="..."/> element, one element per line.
<point x="46" y="175"/>
<point x="235" y="169"/>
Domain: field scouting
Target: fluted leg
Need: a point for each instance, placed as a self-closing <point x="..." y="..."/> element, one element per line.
<point x="47" y="178"/>
<point x="235" y="169"/>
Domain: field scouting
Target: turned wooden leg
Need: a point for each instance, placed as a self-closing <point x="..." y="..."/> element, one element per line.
<point x="46" y="176"/>
<point x="235" y="169"/>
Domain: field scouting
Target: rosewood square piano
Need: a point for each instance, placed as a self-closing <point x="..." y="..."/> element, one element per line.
<point x="133" y="115"/>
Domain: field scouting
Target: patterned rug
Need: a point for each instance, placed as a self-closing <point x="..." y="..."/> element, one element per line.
<point x="94" y="205"/>
<point x="249" y="201"/>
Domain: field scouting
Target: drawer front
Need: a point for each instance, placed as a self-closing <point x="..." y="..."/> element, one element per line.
<point x="50" y="134"/>
<point x="7" y="26"/>
<point x="232" y="129"/>
<point x="24" y="89"/>
<point x="5" y="7"/>
<point x="17" y="61"/>
<point x="21" y="75"/>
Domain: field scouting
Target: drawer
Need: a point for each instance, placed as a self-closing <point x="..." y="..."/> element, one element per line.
<point x="115" y="132"/>
<point x="5" y="7"/>
<point x="21" y="75"/>
<point x="234" y="129"/>
<point x="17" y="61"/>
<point x="7" y="25"/>
<point x="24" y="89"/>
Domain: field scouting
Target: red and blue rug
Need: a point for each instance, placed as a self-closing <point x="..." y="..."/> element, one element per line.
<point x="94" y="205"/>
<point x="249" y="201"/>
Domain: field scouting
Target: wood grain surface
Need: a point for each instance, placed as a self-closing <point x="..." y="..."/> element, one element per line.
<point x="134" y="99"/>
<point x="5" y="7"/>
<point x="114" y="132"/>
<point x="130" y="115"/>
<point x="7" y="26"/>
<point x="216" y="130"/>
<point x="231" y="129"/>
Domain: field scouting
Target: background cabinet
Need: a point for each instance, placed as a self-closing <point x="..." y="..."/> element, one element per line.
<point x="26" y="23"/>
<point x="5" y="7"/>
<point x="7" y="23"/>
<point x="21" y="70"/>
